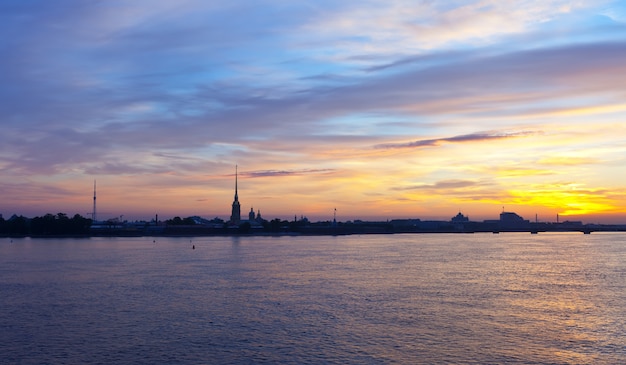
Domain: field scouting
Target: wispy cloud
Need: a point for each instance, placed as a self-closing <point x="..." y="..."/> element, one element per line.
<point x="279" y="173"/>
<point x="474" y="137"/>
<point x="567" y="161"/>
<point x="446" y="185"/>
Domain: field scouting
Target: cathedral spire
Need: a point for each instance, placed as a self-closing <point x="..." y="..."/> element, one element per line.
<point x="235" y="216"/>
<point x="236" y="193"/>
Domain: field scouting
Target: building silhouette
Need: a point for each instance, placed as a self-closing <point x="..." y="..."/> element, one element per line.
<point x="512" y="221"/>
<point x="459" y="218"/>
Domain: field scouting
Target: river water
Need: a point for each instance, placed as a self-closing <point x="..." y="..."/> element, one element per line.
<point x="551" y="298"/>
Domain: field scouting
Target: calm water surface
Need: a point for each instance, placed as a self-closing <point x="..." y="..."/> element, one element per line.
<point x="442" y="298"/>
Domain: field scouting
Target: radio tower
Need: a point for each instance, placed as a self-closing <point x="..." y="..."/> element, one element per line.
<point x="93" y="214"/>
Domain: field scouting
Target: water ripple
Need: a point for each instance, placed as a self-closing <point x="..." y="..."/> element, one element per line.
<point x="471" y="299"/>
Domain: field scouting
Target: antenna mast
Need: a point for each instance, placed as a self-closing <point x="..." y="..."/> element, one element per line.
<point x="93" y="214"/>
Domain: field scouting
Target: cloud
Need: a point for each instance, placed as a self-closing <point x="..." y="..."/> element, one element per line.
<point x="443" y="185"/>
<point x="121" y="168"/>
<point x="400" y="27"/>
<point x="279" y="173"/>
<point x="474" y="137"/>
<point x="567" y="161"/>
<point x="464" y="86"/>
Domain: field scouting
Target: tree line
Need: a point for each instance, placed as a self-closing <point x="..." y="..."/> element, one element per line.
<point x="47" y="225"/>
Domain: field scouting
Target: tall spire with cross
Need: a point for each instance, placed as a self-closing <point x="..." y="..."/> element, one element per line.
<point x="235" y="216"/>
<point x="236" y="193"/>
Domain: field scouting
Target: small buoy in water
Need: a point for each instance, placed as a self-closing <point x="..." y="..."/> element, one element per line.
<point x="193" y="247"/>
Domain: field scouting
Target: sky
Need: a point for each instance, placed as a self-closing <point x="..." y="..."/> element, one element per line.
<point x="378" y="109"/>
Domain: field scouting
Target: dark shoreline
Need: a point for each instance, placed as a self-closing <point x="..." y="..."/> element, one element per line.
<point x="326" y="232"/>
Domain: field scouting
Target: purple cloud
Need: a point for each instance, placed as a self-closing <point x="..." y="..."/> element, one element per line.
<point x="473" y="137"/>
<point x="276" y="173"/>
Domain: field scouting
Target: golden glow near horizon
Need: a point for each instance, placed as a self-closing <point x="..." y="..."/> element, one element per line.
<point x="381" y="110"/>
